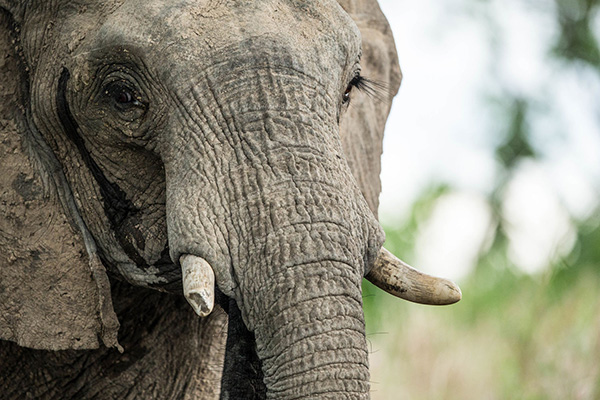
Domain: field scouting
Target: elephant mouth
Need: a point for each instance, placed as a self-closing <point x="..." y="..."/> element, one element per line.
<point x="242" y="372"/>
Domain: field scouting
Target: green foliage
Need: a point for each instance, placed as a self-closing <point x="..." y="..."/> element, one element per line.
<point x="586" y="253"/>
<point x="516" y="144"/>
<point x="514" y="335"/>
<point x="577" y="41"/>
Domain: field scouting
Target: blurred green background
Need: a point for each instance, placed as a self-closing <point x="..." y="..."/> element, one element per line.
<point x="528" y="326"/>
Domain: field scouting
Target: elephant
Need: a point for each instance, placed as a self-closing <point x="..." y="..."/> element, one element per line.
<point x="218" y="154"/>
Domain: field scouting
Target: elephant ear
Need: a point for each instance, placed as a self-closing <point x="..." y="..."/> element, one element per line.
<point x="54" y="291"/>
<point x="363" y="125"/>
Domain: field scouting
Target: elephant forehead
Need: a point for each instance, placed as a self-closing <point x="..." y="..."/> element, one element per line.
<point x="197" y="32"/>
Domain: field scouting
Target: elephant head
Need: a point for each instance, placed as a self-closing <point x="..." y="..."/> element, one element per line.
<point x="209" y="137"/>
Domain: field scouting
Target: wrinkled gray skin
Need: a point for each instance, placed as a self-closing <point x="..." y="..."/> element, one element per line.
<point x="149" y="130"/>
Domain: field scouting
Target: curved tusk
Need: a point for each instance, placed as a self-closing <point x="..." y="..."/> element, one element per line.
<point x="198" y="283"/>
<point x="401" y="280"/>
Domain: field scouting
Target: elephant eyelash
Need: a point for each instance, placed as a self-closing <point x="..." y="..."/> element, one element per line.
<point x="370" y="87"/>
<point x="373" y="89"/>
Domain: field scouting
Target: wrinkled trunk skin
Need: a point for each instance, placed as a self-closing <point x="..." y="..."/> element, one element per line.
<point x="311" y="336"/>
<point x="283" y="225"/>
<point x="309" y="331"/>
<point x="168" y="353"/>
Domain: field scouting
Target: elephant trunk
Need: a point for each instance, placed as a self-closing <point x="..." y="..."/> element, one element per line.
<point x="309" y="328"/>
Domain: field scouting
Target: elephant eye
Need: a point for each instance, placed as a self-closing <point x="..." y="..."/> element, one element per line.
<point x="346" y="97"/>
<point x="123" y="101"/>
<point x="122" y="97"/>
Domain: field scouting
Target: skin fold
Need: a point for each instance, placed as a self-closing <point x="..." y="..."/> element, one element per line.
<point x="232" y="131"/>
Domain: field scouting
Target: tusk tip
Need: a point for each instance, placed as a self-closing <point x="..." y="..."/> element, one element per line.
<point x="198" y="284"/>
<point x="450" y="293"/>
<point x="201" y="302"/>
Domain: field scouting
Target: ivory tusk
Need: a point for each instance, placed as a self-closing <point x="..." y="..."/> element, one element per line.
<point x="401" y="280"/>
<point x="198" y="283"/>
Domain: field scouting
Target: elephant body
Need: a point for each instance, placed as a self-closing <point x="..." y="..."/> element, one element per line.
<point x="134" y="133"/>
